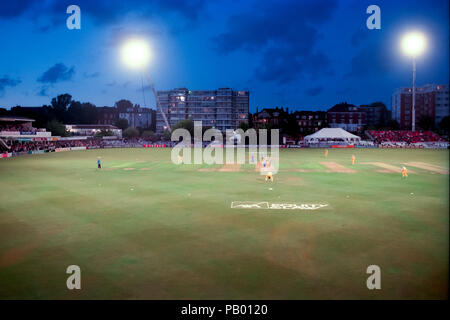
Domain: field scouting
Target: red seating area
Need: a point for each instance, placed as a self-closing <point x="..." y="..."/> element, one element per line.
<point x="405" y="136"/>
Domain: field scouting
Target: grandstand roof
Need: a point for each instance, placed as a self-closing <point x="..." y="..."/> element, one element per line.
<point x="332" y="133"/>
<point x="15" y="119"/>
<point x="91" y="126"/>
<point x="344" y="107"/>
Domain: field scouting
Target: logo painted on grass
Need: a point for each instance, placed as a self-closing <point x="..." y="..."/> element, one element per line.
<point x="276" y="206"/>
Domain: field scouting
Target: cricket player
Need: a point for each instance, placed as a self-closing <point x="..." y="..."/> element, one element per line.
<point x="326" y="153"/>
<point x="99" y="163"/>
<point x="269" y="176"/>
<point x="404" y="172"/>
<point x="353" y="159"/>
<point x="180" y="159"/>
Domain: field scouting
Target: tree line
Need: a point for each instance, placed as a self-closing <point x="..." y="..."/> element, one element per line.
<point x="65" y="110"/>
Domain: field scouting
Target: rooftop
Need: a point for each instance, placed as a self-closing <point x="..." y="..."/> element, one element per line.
<point x="15" y="119"/>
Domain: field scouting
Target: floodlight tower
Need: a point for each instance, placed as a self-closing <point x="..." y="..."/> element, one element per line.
<point x="413" y="44"/>
<point x="136" y="55"/>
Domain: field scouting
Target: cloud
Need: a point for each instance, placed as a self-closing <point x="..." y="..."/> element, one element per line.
<point x="285" y="34"/>
<point x="43" y="92"/>
<point x="314" y="91"/>
<point x="101" y="11"/>
<point x="370" y="61"/>
<point x="91" y="75"/>
<point x="13" y="9"/>
<point x="6" y="81"/>
<point x="361" y="35"/>
<point x="59" y="72"/>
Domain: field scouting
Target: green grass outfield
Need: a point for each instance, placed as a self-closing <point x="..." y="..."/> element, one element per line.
<point x="163" y="231"/>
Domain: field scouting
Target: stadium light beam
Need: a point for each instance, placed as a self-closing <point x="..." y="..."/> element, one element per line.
<point x="413" y="44"/>
<point x="136" y="55"/>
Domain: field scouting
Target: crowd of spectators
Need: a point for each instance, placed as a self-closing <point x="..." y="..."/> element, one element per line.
<point x="408" y="137"/>
<point x="14" y="146"/>
<point x="402" y="137"/>
<point x="25" y="146"/>
<point x="18" y="128"/>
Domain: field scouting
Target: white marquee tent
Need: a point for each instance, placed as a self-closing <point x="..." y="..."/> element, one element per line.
<point x="332" y="134"/>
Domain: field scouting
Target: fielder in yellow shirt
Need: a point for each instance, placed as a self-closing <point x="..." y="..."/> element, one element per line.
<point x="326" y="152"/>
<point x="404" y="172"/>
<point x="353" y="159"/>
<point x="269" y="176"/>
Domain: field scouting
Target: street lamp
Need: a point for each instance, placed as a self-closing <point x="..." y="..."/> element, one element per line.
<point x="136" y="55"/>
<point x="413" y="44"/>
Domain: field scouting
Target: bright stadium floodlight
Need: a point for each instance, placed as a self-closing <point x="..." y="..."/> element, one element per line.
<point x="413" y="44"/>
<point x="136" y="53"/>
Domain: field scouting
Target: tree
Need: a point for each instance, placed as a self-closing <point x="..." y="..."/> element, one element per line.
<point x="82" y="113"/>
<point x="166" y="136"/>
<point x="131" y="133"/>
<point x="59" y="106"/>
<point x="89" y="113"/>
<point x="291" y="127"/>
<point x="243" y="125"/>
<point x="74" y="113"/>
<point x="185" y="124"/>
<point x="123" y="105"/>
<point x="61" y="102"/>
<point x="150" y="135"/>
<point x="122" y="123"/>
<point x="57" y="128"/>
<point x="426" y="123"/>
<point x="250" y="120"/>
<point x="41" y="115"/>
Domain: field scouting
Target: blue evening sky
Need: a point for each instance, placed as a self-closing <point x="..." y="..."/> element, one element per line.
<point x="305" y="55"/>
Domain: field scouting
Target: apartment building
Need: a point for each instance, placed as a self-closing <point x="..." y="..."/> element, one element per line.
<point x="222" y="109"/>
<point x="347" y="116"/>
<point x="431" y="100"/>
